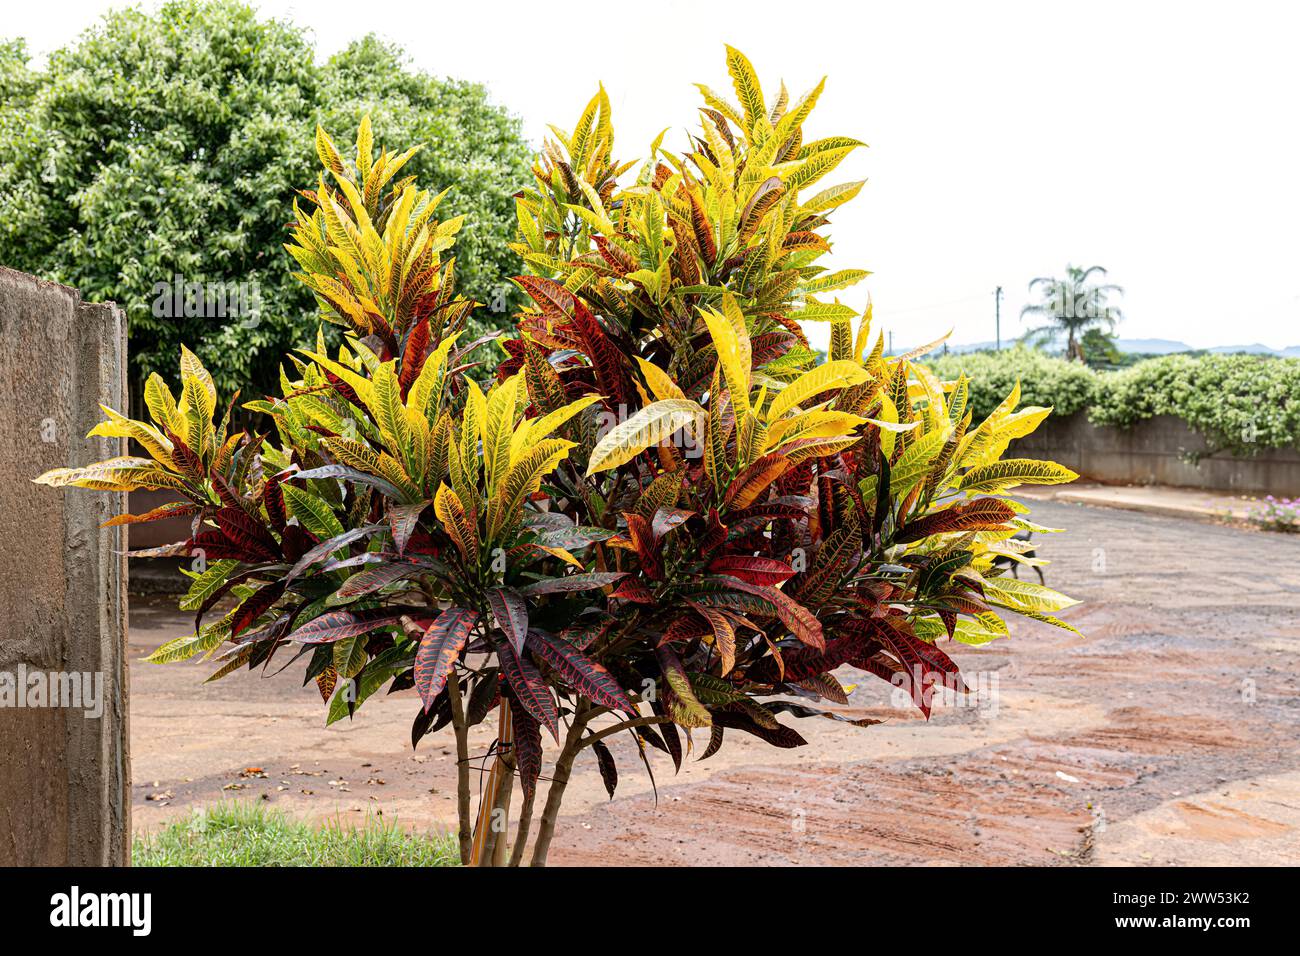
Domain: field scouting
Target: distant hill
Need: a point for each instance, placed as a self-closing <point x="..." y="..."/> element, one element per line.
<point x="1151" y="347"/>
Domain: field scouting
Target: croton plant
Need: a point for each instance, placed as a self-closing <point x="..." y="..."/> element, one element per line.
<point x="662" y="513"/>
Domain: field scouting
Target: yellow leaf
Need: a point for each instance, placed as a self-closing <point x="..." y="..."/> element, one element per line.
<point x="748" y="90"/>
<point x="733" y="354"/>
<point x="648" y="427"/>
<point x="832" y="375"/>
<point x="1000" y="475"/>
<point x="661" y="384"/>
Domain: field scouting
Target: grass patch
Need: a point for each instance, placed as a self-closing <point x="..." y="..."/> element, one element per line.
<point x="246" y="834"/>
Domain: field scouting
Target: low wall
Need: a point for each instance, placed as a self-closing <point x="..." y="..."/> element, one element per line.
<point x="1151" y="453"/>
<point x="64" y="770"/>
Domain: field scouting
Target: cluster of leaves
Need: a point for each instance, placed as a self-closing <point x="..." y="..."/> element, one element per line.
<point x="170" y="144"/>
<point x="665" y="507"/>
<point x="1239" y="403"/>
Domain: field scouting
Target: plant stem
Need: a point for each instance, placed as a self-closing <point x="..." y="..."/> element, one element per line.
<point x="525" y="824"/>
<point x="499" y="834"/>
<point x="625" y="725"/>
<point x="560" y="780"/>
<point x="480" y="851"/>
<point x="465" y="833"/>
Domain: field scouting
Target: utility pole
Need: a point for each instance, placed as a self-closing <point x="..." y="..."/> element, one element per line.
<point x="997" y="315"/>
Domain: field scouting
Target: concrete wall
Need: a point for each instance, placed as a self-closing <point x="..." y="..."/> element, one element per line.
<point x="1150" y="453"/>
<point x="64" y="776"/>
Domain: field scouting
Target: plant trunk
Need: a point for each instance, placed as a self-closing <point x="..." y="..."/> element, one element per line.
<point x="465" y="830"/>
<point x="559" y="780"/>
<point x="525" y="824"/>
<point x="499" y="779"/>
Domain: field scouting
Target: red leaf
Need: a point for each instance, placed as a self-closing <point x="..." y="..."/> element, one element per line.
<point x="606" y="359"/>
<point x="555" y="301"/>
<point x="417" y="342"/>
<point x="643" y="539"/>
<point x="183" y="457"/>
<point x="586" y="676"/>
<point x="530" y="690"/>
<point x="256" y="605"/>
<point x="511" y="613"/>
<point x="173" y="509"/>
<point x="248" y="533"/>
<point x="216" y="546"/>
<point x="402" y="521"/>
<point x="977" y="515"/>
<point x="337" y="625"/>
<point x="755" y="570"/>
<point x="795" y="616"/>
<point x="441" y="645"/>
<point x="273" y="500"/>
<point x="634" y="590"/>
<point x="528" y="749"/>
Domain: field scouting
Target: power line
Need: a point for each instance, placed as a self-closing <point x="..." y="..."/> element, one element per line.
<point x="936" y="305"/>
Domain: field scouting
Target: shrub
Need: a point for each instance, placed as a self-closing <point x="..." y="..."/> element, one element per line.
<point x="1064" y="386"/>
<point x="170" y="144"/>
<point x="664" y="516"/>
<point x="1240" y="403"/>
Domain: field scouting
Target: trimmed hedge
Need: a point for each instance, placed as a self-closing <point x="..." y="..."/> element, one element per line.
<point x="1239" y="403"/>
<point x="1067" y="386"/>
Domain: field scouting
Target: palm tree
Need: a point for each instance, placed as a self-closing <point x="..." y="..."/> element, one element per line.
<point x="1072" y="305"/>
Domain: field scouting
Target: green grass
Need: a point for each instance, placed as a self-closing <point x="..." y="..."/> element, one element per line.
<point x="246" y="834"/>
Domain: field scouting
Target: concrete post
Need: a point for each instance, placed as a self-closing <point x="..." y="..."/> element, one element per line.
<point x="65" y="794"/>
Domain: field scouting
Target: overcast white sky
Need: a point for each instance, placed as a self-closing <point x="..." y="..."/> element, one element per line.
<point x="1006" y="139"/>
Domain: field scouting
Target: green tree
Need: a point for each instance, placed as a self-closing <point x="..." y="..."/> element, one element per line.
<point x="1072" y="305"/>
<point x="161" y="151"/>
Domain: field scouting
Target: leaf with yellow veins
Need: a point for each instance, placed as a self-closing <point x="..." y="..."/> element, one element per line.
<point x="646" y="428"/>
<point x="426" y="382"/>
<point x="827" y="377"/>
<point x="450" y="511"/>
<point x="1000" y="475"/>
<point x="162" y="405"/>
<point x="471" y="430"/>
<point x="119" y="426"/>
<point x="731" y="356"/>
<point x="818" y="423"/>
<point x="544" y="427"/>
<point x="359" y="383"/>
<point x="390" y="413"/>
<point x="661" y="384"/>
<point x="748" y="90"/>
<point x="498" y="429"/>
<point x="523" y="479"/>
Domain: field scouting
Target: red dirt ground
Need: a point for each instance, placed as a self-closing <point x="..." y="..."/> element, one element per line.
<point x="1168" y="734"/>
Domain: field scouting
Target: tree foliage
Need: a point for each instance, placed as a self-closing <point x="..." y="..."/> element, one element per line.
<point x="1072" y="305"/>
<point x="170" y="145"/>
<point x="665" y="516"/>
